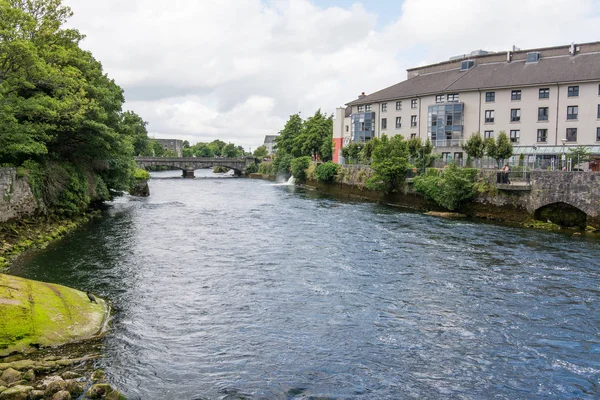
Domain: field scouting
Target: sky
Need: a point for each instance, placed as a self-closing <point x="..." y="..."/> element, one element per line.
<point x="235" y="70"/>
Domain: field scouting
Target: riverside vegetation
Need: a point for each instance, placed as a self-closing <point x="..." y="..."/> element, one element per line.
<point x="63" y="128"/>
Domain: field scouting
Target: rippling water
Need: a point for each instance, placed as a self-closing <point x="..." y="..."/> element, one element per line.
<point x="235" y="288"/>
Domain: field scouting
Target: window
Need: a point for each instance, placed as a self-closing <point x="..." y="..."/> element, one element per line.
<point x="362" y="126"/>
<point x="515" y="115"/>
<point x="542" y="114"/>
<point x="597" y="134"/>
<point x="439" y="98"/>
<point x="398" y="122"/>
<point x="413" y="121"/>
<point x="361" y="108"/>
<point x="453" y="97"/>
<point x="398" y="106"/>
<point x="413" y="103"/>
<point x="413" y="135"/>
<point x="490" y="97"/>
<point x="542" y="135"/>
<point x="489" y="116"/>
<point x="544" y="93"/>
<point x="515" y="95"/>
<point x="488" y="134"/>
<point x="383" y="123"/>
<point x="346" y="128"/>
<point x="598" y="116"/>
<point x="573" y="91"/>
<point x="383" y="107"/>
<point x="572" y="112"/>
<point x="571" y="134"/>
<point x="515" y="136"/>
<point x="368" y="107"/>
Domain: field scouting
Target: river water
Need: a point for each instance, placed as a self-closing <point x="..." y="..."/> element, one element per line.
<point x="235" y="288"/>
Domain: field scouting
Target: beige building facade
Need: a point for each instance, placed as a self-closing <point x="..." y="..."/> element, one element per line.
<point x="546" y="100"/>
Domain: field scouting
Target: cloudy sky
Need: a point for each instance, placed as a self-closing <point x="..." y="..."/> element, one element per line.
<point x="236" y="69"/>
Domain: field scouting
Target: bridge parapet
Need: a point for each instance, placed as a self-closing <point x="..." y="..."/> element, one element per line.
<point x="189" y="164"/>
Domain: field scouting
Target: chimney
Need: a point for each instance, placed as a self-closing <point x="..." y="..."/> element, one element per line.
<point x="572" y="49"/>
<point x="362" y="95"/>
<point x="508" y="56"/>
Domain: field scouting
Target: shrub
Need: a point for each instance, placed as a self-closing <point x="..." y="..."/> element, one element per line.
<point x="298" y="167"/>
<point x="265" y="168"/>
<point x="327" y="172"/>
<point x="390" y="162"/>
<point x="141" y="174"/>
<point x="450" y="188"/>
<point x="282" y="164"/>
<point x="251" y="169"/>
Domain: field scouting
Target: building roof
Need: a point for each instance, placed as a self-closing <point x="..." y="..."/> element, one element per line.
<point x="270" y="139"/>
<point x="548" y="70"/>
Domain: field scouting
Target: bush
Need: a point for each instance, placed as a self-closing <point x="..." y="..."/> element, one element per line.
<point x="298" y="167"/>
<point x="282" y="164"/>
<point x="390" y="163"/>
<point x="450" y="188"/>
<point x="266" y="168"/>
<point x="141" y="174"/>
<point x="251" y="169"/>
<point x="327" y="172"/>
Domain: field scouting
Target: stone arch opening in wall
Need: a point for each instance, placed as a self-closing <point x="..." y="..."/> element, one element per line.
<point x="562" y="214"/>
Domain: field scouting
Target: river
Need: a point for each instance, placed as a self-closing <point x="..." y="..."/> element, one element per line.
<point x="235" y="288"/>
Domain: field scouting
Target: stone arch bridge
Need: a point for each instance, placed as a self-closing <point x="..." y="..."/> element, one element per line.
<point x="189" y="164"/>
<point x="562" y="191"/>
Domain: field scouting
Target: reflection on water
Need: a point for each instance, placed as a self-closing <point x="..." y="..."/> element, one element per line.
<point x="225" y="288"/>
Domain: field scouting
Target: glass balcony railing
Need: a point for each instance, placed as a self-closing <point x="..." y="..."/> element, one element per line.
<point x="447" y="142"/>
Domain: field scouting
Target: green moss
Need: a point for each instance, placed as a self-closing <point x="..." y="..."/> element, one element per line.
<point x="37" y="313"/>
<point x="541" y="225"/>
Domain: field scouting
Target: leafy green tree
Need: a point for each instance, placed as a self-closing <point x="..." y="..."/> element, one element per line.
<point x="134" y="126"/>
<point x="474" y="146"/>
<point x="185" y="144"/>
<point x="579" y="154"/>
<point x="491" y="149"/>
<point x="216" y="146"/>
<point x="188" y="152"/>
<point x="281" y="164"/>
<point x="298" y="168"/>
<point x="159" y="150"/>
<point x="351" y="152"/>
<point x="288" y="140"/>
<point x="261" y="152"/>
<point x="504" y="148"/>
<point x="367" y="151"/>
<point x="230" y="151"/>
<point x="390" y="163"/>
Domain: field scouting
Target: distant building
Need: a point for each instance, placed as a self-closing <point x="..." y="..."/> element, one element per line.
<point x="546" y="100"/>
<point x="174" y="145"/>
<point x="270" y="143"/>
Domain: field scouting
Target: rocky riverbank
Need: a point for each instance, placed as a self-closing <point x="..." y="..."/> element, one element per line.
<point x="53" y="377"/>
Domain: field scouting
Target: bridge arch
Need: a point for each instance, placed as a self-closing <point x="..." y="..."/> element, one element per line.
<point x="563" y="214"/>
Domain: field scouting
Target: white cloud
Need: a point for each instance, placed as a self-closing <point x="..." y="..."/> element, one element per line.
<point x="236" y="69"/>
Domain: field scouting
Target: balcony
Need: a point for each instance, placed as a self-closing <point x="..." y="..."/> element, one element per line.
<point x="447" y="142"/>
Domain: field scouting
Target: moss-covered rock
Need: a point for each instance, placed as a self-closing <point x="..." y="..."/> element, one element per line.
<point x="18" y="392"/>
<point x="44" y="314"/>
<point x="62" y="395"/>
<point x="10" y="375"/>
<point x="98" y="391"/>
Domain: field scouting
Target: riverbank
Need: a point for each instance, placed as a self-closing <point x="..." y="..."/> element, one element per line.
<point x="20" y="235"/>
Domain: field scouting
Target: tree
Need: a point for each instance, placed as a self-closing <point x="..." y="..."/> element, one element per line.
<point x="216" y="146"/>
<point x="579" y="154"/>
<point x="134" y="126"/>
<point x="351" y="151"/>
<point x="261" y="152"/>
<point x="390" y="163"/>
<point x="504" y="147"/>
<point x="185" y="144"/>
<point x="449" y="188"/>
<point x="474" y="146"/>
<point x="499" y="150"/>
<point x="287" y="142"/>
<point x="159" y="150"/>
<point x="230" y="151"/>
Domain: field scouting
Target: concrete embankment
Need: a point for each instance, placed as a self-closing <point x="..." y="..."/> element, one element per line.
<point x="37" y="314"/>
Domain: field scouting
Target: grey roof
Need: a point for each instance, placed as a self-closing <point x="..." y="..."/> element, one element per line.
<point x="560" y="69"/>
<point x="270" y="139"/>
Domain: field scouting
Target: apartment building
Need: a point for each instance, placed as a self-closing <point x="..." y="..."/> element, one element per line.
<point x="546" y="100"/>
<point x="269" y="143"/>
<point x="173" y="145"/>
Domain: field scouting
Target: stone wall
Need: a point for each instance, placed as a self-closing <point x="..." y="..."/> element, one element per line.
<point x="16" y="197"/>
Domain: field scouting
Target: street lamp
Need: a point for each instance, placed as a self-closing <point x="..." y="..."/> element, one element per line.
<point x="564" y="156"/>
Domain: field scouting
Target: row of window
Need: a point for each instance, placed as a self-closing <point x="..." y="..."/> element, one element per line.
<point x="413" y="122"/>
<point x="490" y="97"/>
<point x="543" y="93"/>
<point x="543" y="113"/>
<point x="542" y="135"/>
